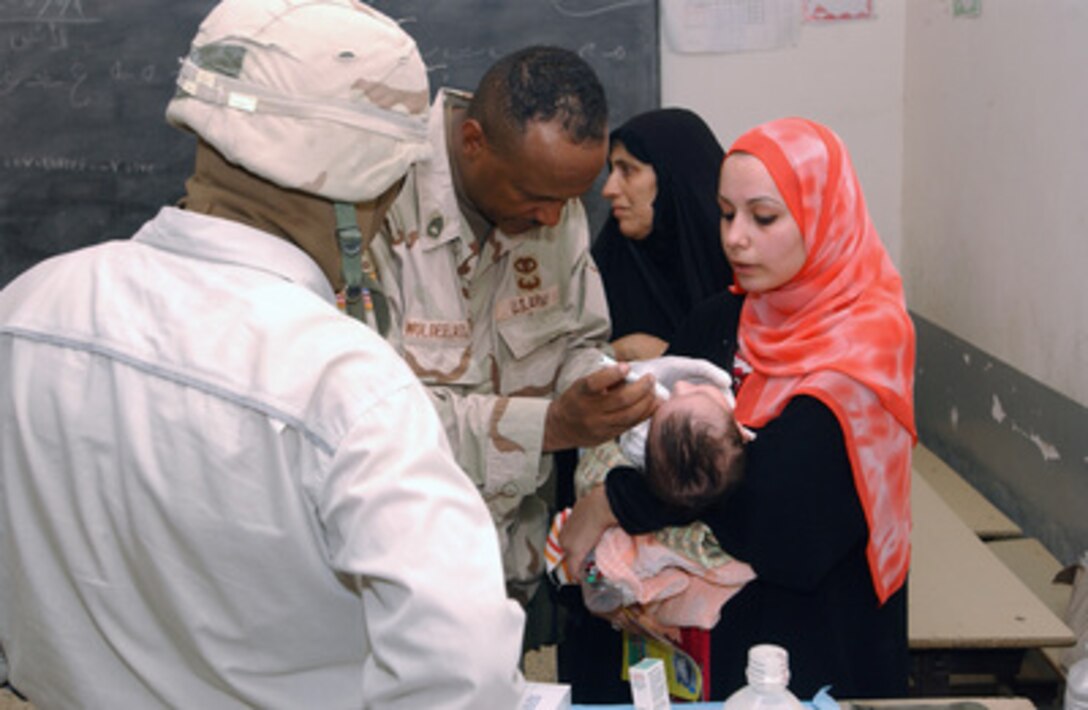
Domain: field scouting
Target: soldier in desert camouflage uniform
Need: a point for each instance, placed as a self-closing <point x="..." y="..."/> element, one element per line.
<point x="493" y="297"/>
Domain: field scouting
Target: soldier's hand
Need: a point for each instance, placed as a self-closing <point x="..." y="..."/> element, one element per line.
<point x="598" y="407"/>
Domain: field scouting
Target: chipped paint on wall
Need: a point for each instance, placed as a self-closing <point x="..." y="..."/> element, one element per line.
<point x="1049" y="452"/>
<point x="1017" y="441"/>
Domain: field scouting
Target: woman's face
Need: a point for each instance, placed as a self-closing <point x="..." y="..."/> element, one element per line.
<point x="761" y="239"/>
<point x="632" y="188"/>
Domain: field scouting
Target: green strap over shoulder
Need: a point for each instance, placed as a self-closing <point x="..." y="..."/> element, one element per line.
<point x="359" y="283"/>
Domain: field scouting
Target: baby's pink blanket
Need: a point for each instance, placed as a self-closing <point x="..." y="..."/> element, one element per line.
<point x="677" y="590"/>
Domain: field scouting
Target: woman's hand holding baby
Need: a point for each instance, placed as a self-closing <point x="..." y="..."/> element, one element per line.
<point x="592" y="515"/>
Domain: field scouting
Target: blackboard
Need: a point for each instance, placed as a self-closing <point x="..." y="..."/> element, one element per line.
<point x="85" y="151"/>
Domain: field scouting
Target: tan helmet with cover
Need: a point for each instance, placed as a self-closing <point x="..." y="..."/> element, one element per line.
<point x="328" y="97"/>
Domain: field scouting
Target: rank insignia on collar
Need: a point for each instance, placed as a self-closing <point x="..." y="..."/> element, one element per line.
<point x="434" y="227"/>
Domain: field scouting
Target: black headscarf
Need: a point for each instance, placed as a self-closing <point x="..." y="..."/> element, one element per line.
<point x="653" y="283"/>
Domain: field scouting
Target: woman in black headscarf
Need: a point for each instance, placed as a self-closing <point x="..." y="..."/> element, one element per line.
<point x="666" y="277"/>
<point x="660" y="252"/>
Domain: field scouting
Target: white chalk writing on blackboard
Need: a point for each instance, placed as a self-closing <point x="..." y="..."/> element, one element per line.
<point x="53" y="163"/>
<point x="43" y="11"/>
<point x="42" y="79"/>
<point x="41" y="23"/>
<point x="590" y="9"/>
<point x="31" y="26"/>
<point x="74" y="80"/>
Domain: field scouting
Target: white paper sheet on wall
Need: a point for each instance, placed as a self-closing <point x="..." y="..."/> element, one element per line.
<point x="694" y="26"/>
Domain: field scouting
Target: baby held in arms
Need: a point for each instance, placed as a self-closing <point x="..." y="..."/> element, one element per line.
<point x="692" y="452"/>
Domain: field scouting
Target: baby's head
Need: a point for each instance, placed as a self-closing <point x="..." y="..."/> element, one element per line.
<point x="695" y="447"/>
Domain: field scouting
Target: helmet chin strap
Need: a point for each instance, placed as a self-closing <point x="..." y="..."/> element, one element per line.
<point x="363" y="297"/>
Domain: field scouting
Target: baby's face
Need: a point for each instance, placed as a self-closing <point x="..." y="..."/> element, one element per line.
<point x="702" y="402"/>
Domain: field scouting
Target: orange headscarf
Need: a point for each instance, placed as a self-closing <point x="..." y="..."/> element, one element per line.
<point x="838" y="331"/>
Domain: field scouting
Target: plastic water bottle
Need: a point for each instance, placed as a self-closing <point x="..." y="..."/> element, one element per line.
<point x="1076" y="686"/>
<point x="768" y="675"/>
<point x="599" y="595"/>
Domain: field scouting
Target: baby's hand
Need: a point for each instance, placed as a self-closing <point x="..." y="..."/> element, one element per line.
<point x="637" y="619"/>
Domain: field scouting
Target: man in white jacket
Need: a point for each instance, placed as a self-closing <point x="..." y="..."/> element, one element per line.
<point x="216" y="489"/>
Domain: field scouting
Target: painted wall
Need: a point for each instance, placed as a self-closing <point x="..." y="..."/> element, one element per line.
<point x="995" y="235"/>
<point x="995" y="230"/>
<point x="848" y="75"/>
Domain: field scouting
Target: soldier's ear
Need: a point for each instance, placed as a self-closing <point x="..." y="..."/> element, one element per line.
<point x="473" y="139"/>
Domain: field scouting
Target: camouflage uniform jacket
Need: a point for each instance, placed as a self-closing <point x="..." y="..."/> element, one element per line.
<point x="494" y="332"/>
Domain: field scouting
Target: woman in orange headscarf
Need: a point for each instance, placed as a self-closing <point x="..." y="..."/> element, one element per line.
<point x="822" y="514"/>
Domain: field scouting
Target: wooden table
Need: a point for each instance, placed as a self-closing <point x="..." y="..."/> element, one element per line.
<point x="965" y="703"/>
<point x="941" y="704"/>
<point x="967" y="611"/>
<point x="980" y="515"/>
<point x="1033" y="563"/>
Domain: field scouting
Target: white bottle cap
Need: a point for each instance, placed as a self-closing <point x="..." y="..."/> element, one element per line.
<point x="768" y="665"/>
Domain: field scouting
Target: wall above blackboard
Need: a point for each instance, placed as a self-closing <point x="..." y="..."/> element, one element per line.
<point x="86" y="154"/>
